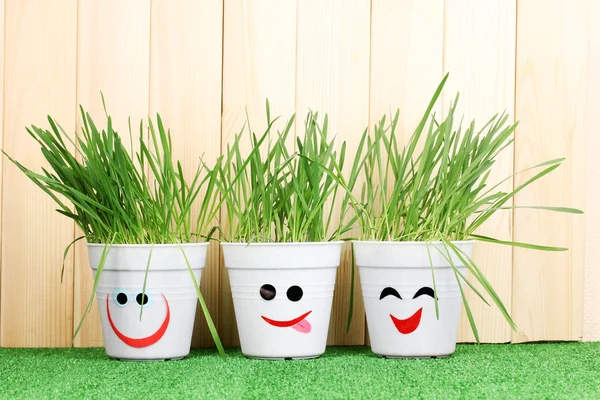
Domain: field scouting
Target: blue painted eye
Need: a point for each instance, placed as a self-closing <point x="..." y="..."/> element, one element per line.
<point x="120" y="297"/>
<point x="145" y="299"/>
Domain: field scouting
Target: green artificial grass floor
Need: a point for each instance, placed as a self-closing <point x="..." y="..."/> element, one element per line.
<point x="553" y="370"/>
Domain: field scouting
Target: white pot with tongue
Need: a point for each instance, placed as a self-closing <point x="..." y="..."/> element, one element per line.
<point x="282" y="296"/>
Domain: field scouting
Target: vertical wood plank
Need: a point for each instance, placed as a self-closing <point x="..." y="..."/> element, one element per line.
<point x="40" y="70"/>
<point x="1" y="141"/>
<point x="591" y="312"/>
<point x="333" y="46"/>
<point x="479" y="54"/>
<point x="113" y="57"/>
<point x="407" y="42"/>
<point x="259" y="62"/>
<point x="553" y="77"/>
<point x="185" y="88"/>
<point x="406" y="59"/>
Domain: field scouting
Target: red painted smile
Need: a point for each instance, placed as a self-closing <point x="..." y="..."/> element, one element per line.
<point x="299" y="324"/>
<point x="408" y="325"/>
<point x="141" y="342"/>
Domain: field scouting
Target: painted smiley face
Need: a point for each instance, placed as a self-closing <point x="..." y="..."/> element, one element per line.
<point x="410" y="324"/>
<point x="121" y="299"/>
<point x="294" y="293"/>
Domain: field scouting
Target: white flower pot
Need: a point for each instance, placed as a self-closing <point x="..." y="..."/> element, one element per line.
<point x="397" y="287"/>
<point x="282" y="295"/>
<point x="165" y="330"/>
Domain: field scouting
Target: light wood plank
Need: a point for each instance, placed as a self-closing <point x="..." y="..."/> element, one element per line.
<point x="557" y="94"/>
<point x="333" y="77"/>
<point x="40" y="66"/>
<point x="113" y="57"/>
<point x="406" y="59"/>
<point x="553" y="77"/>
<point x="259" y="62"/>
<point x="591" y="312"/>
<point x="479" y="54"/>
<point x="185" y="88"/>
<point x="407" y="41"/>
<point x="1" y="141"/>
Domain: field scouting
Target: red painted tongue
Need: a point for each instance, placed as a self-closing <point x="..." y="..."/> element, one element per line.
<point x="302" y="326"/>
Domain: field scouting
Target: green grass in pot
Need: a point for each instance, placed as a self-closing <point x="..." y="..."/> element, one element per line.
<point x="123" y="197"/>
<point x="435" y="188"/>
<point x="275" y="194"/>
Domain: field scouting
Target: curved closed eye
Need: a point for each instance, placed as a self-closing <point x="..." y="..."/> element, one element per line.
<point x="424" y="290"/>
<point x="389" y="291"/>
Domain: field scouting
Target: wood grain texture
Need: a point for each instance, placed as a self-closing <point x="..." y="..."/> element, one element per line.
<point x="406" y="59"/>
<point x="484" y="76"/>
<point x="407" y="47"/>
<point x="1" y="141"/>
<point x="553" y="77"/>
<point x="591" y="311"/>
<point x="259" y="61"/>
<point x="113" y="57"/>
<point x="185" y="88"/>
<point x="356" y="60"/>
<point x="40" y="66"/>
<point x="333" y="77"/>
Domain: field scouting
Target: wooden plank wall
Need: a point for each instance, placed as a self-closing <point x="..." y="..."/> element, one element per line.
<point x="484" y="75"/>
<point x="407" y="57"/>
<point x="1" y="141"/>
<point x="109" y="31"/>
<point x="204" y="64"/>
<point x="591" y="299"/>
<point x="332" y="70"/>
<point x="40" y="69"/>
<point x="185" y="88"/>
<point x="553" y="77"/>
<point x="259" y="62"/>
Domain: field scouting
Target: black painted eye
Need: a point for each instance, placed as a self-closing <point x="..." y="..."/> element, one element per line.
<point x="120" y="297"/>
<point x="141" y="299"/>
<point x="425" y="290"/>
<point x="295" y="293"/>
<point x="389" y="291"/>
<point x="267" y="292"/>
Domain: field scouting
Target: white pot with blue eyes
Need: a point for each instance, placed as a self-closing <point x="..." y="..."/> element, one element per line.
<point x="164" y="331"/>
<point x="282" y="296"/>
<point x="399" y="296"/>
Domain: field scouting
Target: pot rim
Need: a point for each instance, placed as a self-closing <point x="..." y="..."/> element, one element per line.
<point x="389" y="242"/>
<point x="276" y="244"/>
<point x="148" y="245"/>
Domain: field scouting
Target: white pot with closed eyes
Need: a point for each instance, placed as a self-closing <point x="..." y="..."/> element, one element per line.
<point x="164" y="331"/>
<point x="398" y="290"/>
<point x="282" y="296"/>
